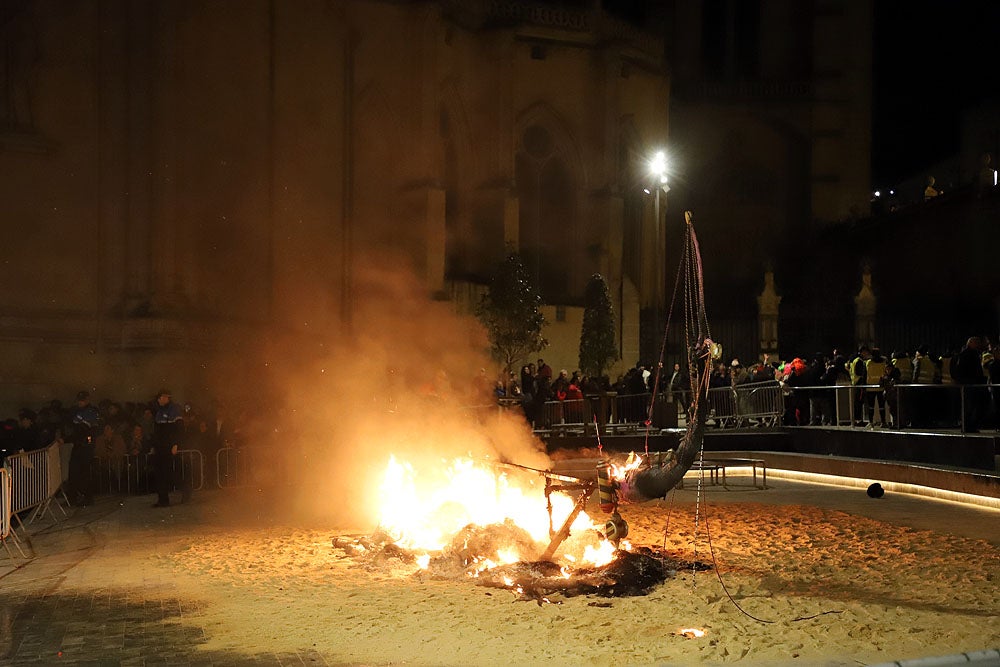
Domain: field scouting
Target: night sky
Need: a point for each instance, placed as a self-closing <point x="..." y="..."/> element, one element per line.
<point x="931" y="61"/>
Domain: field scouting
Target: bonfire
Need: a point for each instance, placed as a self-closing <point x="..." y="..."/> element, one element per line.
<point x="509" y="526"/>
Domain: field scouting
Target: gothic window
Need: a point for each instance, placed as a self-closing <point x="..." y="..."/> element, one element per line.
<point x="548" y="214"/>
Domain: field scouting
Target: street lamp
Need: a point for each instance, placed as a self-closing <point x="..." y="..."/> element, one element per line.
<point x="658" y="170"/>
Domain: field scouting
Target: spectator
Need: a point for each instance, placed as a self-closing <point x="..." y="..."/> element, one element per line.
<point x="820" y="400"/>
<point x="796" y="401"/>
<point x="137" y="442"/>
<point x="544" y="370"/>
<point x="967" y="371"/>
<point x="28" y="437"/>
<point x="560" y="384"/>
<point x="925" y="372"/>
<point x="737" y="373"/>
<point x="109" y="449"/>
<point x="875" y="368"/>
<point x="109" y="444"/>
<point x="167" y="436"/>
<point x="890" y="378"/>
<point x="51" y="418"/>
<point x="856" y="369"/>
<point x="679" y="384"/>
<point x="85" y="425"/>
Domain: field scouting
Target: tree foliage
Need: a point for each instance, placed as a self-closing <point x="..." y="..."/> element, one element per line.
<point x="597" y="335"/>
<point x="510" y="312"/>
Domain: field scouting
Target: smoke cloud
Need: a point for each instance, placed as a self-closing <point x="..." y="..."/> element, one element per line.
<point x="401" y="382"/>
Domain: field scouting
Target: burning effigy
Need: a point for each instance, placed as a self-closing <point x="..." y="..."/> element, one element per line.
<point x="506" y="526"/>
<point x="526" y="529"/>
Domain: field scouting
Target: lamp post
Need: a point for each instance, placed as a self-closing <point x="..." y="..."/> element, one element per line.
<point x="658" y="171"/>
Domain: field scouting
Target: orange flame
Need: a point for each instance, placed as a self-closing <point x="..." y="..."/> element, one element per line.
<point x="619" y="472"/>
<point x="424" y="509"/>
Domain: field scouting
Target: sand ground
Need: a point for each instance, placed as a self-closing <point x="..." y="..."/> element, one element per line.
<point x="806" y="575"/>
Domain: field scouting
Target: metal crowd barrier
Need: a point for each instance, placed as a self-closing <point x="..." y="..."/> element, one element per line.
<point x="6" y="528"/>
<point x="753" y="404"/>
<point x="234" y="467"/>
<point x="759" y="403"/>
<point x="722" y="407"/>
<point x="36" y="478"/>
<point x="133" y="473"/>
<point x="923" y="406"/>
<point x="611" y="412"/>
<point x="565" y="415"/>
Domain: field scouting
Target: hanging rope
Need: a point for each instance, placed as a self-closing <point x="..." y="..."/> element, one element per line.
<point x="691" y="276"/>
<point x="699" y="351"/>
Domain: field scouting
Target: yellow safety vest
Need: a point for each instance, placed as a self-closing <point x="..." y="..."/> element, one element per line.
<point x="924" y="370"/>
<point x="850" y="369"/>
<point x="876" y="369"/>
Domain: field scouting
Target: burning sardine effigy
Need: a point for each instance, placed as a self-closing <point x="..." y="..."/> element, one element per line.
<point x="630" y="572"/>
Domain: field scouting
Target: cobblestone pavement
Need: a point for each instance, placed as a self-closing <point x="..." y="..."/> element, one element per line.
<point x="60" y="608"/>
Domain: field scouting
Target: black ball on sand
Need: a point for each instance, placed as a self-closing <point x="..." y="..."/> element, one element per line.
<point x="876" y="491"/>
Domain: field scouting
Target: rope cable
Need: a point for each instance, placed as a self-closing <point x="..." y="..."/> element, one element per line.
<point x="696" y="323"/>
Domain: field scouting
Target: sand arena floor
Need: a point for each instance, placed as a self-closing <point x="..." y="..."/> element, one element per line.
<point x="238" y="578"/>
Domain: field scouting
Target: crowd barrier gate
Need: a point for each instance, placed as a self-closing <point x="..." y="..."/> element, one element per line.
<point x="752" y="404"/>
<point x="6" y="530"/>
<point x="36" y="478"/>
<point x="233" y="466"/>
<point x="33" y="480"/>
<point x="132" y="473"/>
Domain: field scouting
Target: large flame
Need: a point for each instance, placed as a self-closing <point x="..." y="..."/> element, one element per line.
<point x="620" y="472"/>
<point x="422" y="509"/>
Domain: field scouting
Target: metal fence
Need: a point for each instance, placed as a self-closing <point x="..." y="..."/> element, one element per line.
<point x="611" y="412"/>
<point x="5" y="499"/>
<point x="36" y="478"/>
<point x="753" y="404"/>
<point x="967" y="408"/>
<point x="235" y="467"/>
<point x="133" y="474"/>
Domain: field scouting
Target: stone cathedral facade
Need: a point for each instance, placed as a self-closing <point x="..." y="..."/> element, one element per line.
<point x="186" y="180"/>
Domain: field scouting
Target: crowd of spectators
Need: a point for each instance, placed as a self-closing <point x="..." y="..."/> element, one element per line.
<point x="883" y="381"/>
<point x="897" y="390"/>
<point x="110" y="430"/>
<point x="967" y="381"/>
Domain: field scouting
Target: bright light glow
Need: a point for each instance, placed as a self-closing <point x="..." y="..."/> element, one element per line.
<point x="890" y="487"/>
<point x="691" y="633"/>
<point x="658" y="166"/>
<point x="425" y="509"/>
<point x="877" y="194"/>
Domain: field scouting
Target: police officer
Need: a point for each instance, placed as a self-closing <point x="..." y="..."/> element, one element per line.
<point x="168" y="430"/>
<point x="85" y="423"/>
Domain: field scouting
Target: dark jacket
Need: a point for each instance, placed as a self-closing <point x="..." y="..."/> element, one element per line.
<point x="967" y="367"/>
